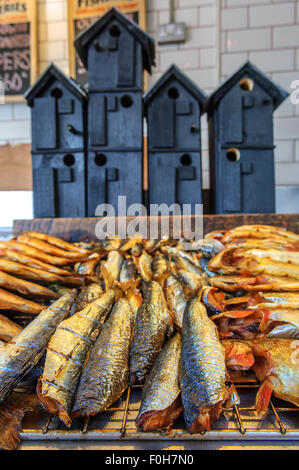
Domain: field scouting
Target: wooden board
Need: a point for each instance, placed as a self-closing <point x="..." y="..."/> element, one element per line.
<point x="79" y="229"/>
<point x="16" y="171"/>
<point x="18" y="47"/>
<point x="82" y="13"/>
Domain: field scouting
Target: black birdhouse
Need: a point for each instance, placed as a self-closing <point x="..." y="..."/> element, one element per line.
<point x="58" y="108"/>
<point x="240" y="114"/>
<point x="173" y="109"/>
<point x="116" y="52"/>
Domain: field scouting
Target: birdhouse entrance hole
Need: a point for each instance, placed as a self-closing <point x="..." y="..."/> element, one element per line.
<point x="100" y="159"/>
<point x="69" y="160"/>
<point x="126" y="101"/>
<point x="186" y="160"/>
<point x="56" y="93"/>
<point x="246" y="84"/>
<point x="173" y="93"/>
<point x="114" y="31"/>
<point x="233" y="155"/>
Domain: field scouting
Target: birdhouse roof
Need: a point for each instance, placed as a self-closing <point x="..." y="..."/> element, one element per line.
<point x="186" y="82"/>
<point x="84" y="39"/>
<point x="45" y="80"/>
<point x="251" y="71"/>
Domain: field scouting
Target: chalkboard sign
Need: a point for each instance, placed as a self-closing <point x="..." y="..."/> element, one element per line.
<point x="82" y="13"/>
<point x="18" y="43"/>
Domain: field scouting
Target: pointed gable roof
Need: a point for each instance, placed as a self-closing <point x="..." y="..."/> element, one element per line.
<point x="83" y="40"/>
<point x="249" y="70"/>
<point x="54" y="72"/>
<point x="183" y="79"/>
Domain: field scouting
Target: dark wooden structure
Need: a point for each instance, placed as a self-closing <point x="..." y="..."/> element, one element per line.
<point x="240" y="114"/>
<point x="173" y="109"/>
<point x="116" y="52"/>
<point x="58" y="110"/>
<point x="80" y="229"/>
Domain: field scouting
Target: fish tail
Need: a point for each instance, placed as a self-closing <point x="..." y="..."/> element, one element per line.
<point x="263" y="396"/>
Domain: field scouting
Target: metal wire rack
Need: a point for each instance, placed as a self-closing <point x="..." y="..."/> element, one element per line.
<point x="239" y="423"/>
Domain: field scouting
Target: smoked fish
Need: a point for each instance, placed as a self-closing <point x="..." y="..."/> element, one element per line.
<point x="66" y="354"/>
<point x="106" y="374"/>
<point x="203" y="370"/>
<point x="161" y="397"/>
<point x="23" y="352"/>
<point x="8" y="329"/>
<point x="9" y="301"/>
<point x="153" y="322"/>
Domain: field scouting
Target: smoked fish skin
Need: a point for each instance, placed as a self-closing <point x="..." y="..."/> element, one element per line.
<point x="152" y="324"/>
<point x="106" y="374"/>
<point x="8" y="329"/>
<point x="66" y="354"/>
<point x="276" y="366"/>
<point x="203" y="371"/>
<point x="24" y="351"/>
<point x="161" y="401"/>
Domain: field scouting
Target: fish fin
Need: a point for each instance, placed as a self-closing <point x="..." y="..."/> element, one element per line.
<point x="263" y="396"/>
<point x="108" y="277"/>
<point x="12" y="413"/>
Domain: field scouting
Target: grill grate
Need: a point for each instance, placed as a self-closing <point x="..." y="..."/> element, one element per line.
<point x="241" y="422"/>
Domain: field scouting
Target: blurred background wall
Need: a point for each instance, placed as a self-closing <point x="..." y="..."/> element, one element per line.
<point x="221" y="36"/>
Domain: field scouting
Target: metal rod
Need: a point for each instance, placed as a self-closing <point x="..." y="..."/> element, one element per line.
<point x="86" y="424"/>
<point x="46" y="427"/>
<point x="240" y="422"/>
<point x="124" y="423"/>
<point x="282" y="428"/>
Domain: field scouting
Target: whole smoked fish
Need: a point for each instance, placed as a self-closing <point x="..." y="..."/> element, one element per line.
<point x="106" y="374"/>
<point x="161" y="401"/>
<point x="66" y="354"/>
<point x="152" y="324"/>
<point x="203" y="370"/>
<point x="23" y="352"/>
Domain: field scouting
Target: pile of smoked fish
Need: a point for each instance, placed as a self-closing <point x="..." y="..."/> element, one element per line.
<point x="174" y="316"/>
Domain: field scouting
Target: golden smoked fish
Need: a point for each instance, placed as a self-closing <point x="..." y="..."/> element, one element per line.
<point x="275" y="255"/>
<point x="276" y="366"/>
<point x="50" y="249"/>
<point x="66" y="354"/>
<point x="106" y="374"/>
<point x="111" y="268"/>
<point x="161" y="401"/>
<point x="25" y="287"/>
<point x="57" y="242"/>
<point x="203" y="370"/>
<point x="153" y="322"/>
<point x="29" y="262"/>
<point x="268" y="300"/>
<point x="38" y="275"/>
<point x="87" y="295"/>
<point x="9" y="301"/>
<point x="23" y="352"/>
<point x="176" y="300"/>
<point x="8" y="329"/>
<point x="35" y="253"/>
<point x="262" y="283"/>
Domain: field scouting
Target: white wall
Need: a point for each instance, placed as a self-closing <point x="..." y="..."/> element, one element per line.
<point x="266" y="32"/>
<point x="222" y="34"/>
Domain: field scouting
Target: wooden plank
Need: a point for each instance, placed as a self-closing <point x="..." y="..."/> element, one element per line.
<point x="16" y="172"/>
<point x="81" y="228"/>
